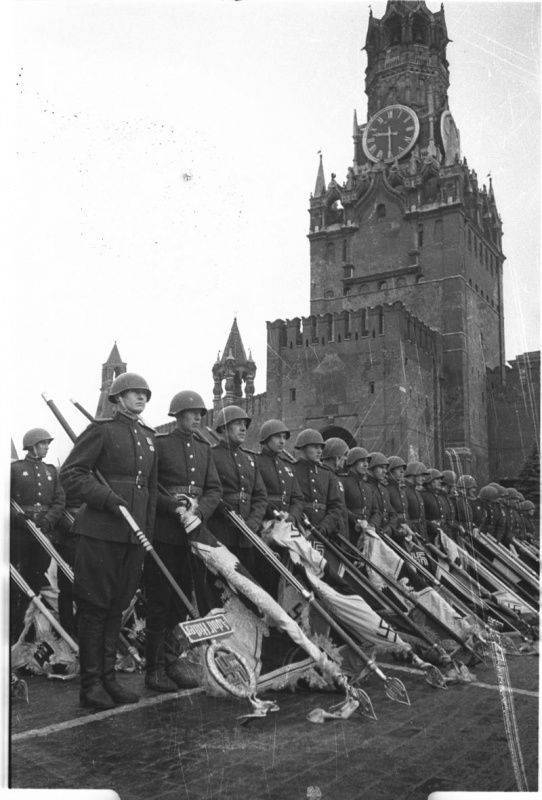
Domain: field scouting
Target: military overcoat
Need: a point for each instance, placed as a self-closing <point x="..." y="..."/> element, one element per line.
<point x="322" y="499"/>
<point x="283" y="490"/>
<point x="36" y="487"/>
<point x="358" y="497"/>
<point x="242" y="489"/>
<point x="185" y="466"/>
<point x="123" y="450"/>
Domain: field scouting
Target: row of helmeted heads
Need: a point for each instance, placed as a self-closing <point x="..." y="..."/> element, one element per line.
<point x="334" y="447"/>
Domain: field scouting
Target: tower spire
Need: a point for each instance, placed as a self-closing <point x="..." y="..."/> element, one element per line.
<point x="320" y="186"/>
<point x="111" y="368"/>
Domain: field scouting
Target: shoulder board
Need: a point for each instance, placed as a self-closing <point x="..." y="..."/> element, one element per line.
<point x="100" y="420"/>
<point x="51" y="466"/>
<point x="288" y="459"/>
<point x="162" y="435"/>
<point x="199" y="437"/>
<point x="147" y="427"/>
<point x="249" y="451"/>
<point x="325" y="466"/>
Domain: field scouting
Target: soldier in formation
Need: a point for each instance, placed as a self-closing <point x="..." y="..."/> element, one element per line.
<point x="185" y="468"/>
<point x="383" y="517"/>
<point x="357" y="493"/>
<point x="323" y="502"/>
<point x="243" y="489"/>
<point x="35" y="486"/>
<point x="108" y="562"/>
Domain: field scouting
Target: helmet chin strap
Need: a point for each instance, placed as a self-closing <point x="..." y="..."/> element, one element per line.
<point x="122" y="403"/>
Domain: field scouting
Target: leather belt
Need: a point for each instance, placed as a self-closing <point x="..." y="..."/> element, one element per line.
<point x="241" y="497"/>
<point x="316" y="505"/>
<point x="140" y="482"/>
<point x="192" y="491"/>
<point x="277" y="498"/>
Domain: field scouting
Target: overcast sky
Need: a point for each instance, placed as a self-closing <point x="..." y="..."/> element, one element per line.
<point x="164" y="156"/>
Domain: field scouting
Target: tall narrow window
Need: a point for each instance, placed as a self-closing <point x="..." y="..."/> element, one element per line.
<point x="292" y="395"/>
<point x="345" y="251"/>
<point x="438" y="230"/>
<point x="364" y="328"/>
<point x="420" y="235"/>
<point x="372" y="387"/>
<point x="381" y="321"/>
<point x="381" y="211"/>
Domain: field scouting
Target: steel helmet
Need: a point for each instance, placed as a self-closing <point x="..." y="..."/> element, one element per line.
<point x="355" y="455"/>
<point x="230" y="414"/>
<point x="334" y="448"/>
<point x="377" y="460"/>
<point x="500" y="489"/>
<point x="186" y="401"/>
<point x="35" y="435"/>
<point x="307" y="437"/>
<point x="432" y="475"/>
<point x="488" y="493"/>
<point x="415" y="468"/>
<point x="449" y="477"/>
<point x="526" y="505"/>
<point x="126" y="382"/>
<point x="394" y="462"/>
<point x="271" y="428"/>
<point x="466" y="482"/>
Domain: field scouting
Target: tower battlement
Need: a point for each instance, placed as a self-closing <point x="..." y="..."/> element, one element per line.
<point x="353" y="329"/>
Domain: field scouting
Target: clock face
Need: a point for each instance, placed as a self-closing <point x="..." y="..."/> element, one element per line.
<point x="390" y="133"/>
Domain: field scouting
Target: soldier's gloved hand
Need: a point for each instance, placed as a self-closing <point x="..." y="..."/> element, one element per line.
<point x="402" y="530"/>
<point x="45" y="526"/>
<point x="360" y="525"/>
<point x="113" y="503"/>
<point x="189" y="517"/>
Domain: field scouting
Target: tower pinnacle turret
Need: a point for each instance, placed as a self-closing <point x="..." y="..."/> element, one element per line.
<point x="232" y="369"/>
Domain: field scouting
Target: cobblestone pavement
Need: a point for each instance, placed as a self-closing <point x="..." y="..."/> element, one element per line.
<point x="190" y="747"/>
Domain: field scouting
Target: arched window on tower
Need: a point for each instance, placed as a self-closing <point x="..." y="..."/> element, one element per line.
<point x="393" y="30"/>
<point x="330" y="252"/>
<point x="345" y="250"/>
<point x="419" y="30"/>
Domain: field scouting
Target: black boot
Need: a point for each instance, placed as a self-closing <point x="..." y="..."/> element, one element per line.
<point x="91" y="621"/>
<point x="180" y="671"/>
<point x="109" y="679"/>
<point x="155" y="677"/>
